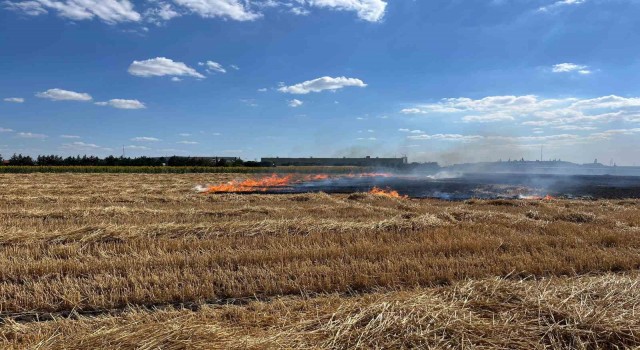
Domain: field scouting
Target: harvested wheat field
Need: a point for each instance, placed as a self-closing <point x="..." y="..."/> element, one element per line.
<point x="143" y="261"/>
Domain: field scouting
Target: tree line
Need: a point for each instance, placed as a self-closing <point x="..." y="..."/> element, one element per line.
<point x="54" y="160"/>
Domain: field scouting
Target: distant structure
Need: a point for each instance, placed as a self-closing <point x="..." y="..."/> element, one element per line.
<point x="210" y="159"/>
<point x="366" y="161"/>
<point x="199" y="161"/>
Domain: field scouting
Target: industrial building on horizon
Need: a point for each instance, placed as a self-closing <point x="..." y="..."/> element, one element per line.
<point x="366" y="161"/>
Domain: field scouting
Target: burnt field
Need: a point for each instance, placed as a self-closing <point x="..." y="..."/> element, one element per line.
<point x="145" y="261"/>
<point x="485" y="186"/>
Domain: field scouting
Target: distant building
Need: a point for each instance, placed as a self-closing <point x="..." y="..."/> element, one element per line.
<point x="212" y="159"/>
<point x="367" y="161"/>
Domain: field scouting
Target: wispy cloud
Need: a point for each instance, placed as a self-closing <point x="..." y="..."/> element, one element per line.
<point x="29" y="135"/>
<point x="145" y="139"/>
<point x="123" y="104"/>
<point x="213" y="67"/>
<point x="368" y="10"/>
<point x="295" y="103"/>
<point x="534" y="111"/>
<point x="571" y="67"/>
<point x="14" y="99"/>
<point x="109" y="11"/>
<point x="232" y="9"/>
<point x="559" y="4"/>
<point x="162" y="66"/>
<point x="82" y="146"/>
<point x="64" y="95"/>
<point x="322" y="84"/>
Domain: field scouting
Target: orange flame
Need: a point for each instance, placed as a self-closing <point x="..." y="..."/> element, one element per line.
<point x="251" y="185"/>
<point x="317" y="177"/>
<point x="385" y="193"/>
<point x="539" y="198"/>
<point x="266" y="183"/>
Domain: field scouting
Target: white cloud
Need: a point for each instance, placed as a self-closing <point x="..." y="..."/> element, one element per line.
<point x="176" y="79"/>
<point x="212" y="66"/>
<point x="28" y="135"/>
<point x="560" y="3"/>
<point x="262" y="90"/>
<point x="299" y="11"/>
<point x="412" y="111"/>
<point x="109" y="11"/>
<point x="489" y="118"/>
<point x="64" y="95"/>
<point x="368" y="10"/>
<point x="233" y="66"/>
<point x="184" y="134"/>
<point x="562" y="138"/>
<point x="123" y="104"/>
<point x="14" y="99"/>
<point x="6" y="130"/>
<point x="161" y="13"/>
<point x="187" y="142"/>
<point x="295" y="103"/>
<point x="145" y="139"/>
<point x="537" y="139"/>
<point x="574" y="127"/>
<point x="80" y="146"/>
<point x="610" y="102"/>
<point x="135" y="147"/>
<point x="233" y="9"/>
<point x="570" y="67"/>
<point x="446" y="137"/>
<point x="161" y="66"/>
<point x="30" y="8"/>
<point x="70" y="136"/>
<point x="492" y="104"/>
<point x="321" y="84"/>
<point x="534" y="111"/>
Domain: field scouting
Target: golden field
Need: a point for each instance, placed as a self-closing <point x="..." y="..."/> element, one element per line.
<point x="143" y="261"/>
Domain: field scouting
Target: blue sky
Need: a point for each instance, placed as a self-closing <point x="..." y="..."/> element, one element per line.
<point x="439" y="80"/>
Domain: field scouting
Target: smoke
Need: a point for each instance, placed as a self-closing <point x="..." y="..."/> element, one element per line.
<point x="441" y="175"/>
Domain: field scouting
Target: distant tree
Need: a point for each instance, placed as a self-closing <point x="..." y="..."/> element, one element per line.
<point x="21" y="160"/>
<point x="49" y="160"/>
<point x="111" y="161"/>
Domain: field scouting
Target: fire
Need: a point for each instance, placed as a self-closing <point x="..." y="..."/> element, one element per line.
<point x="318" y="177"/>
<point x="539" y="198"/>
<point x="275" y="181"/>
<point x="251" y="185"/>
<point x="386" y="193"/>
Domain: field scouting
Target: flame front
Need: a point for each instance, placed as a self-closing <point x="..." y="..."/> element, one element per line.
<point x="385" y="193"/>
<point x="274" y="181"/>
<point x="251" y="185"/>
<point x="546" y="198"/>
